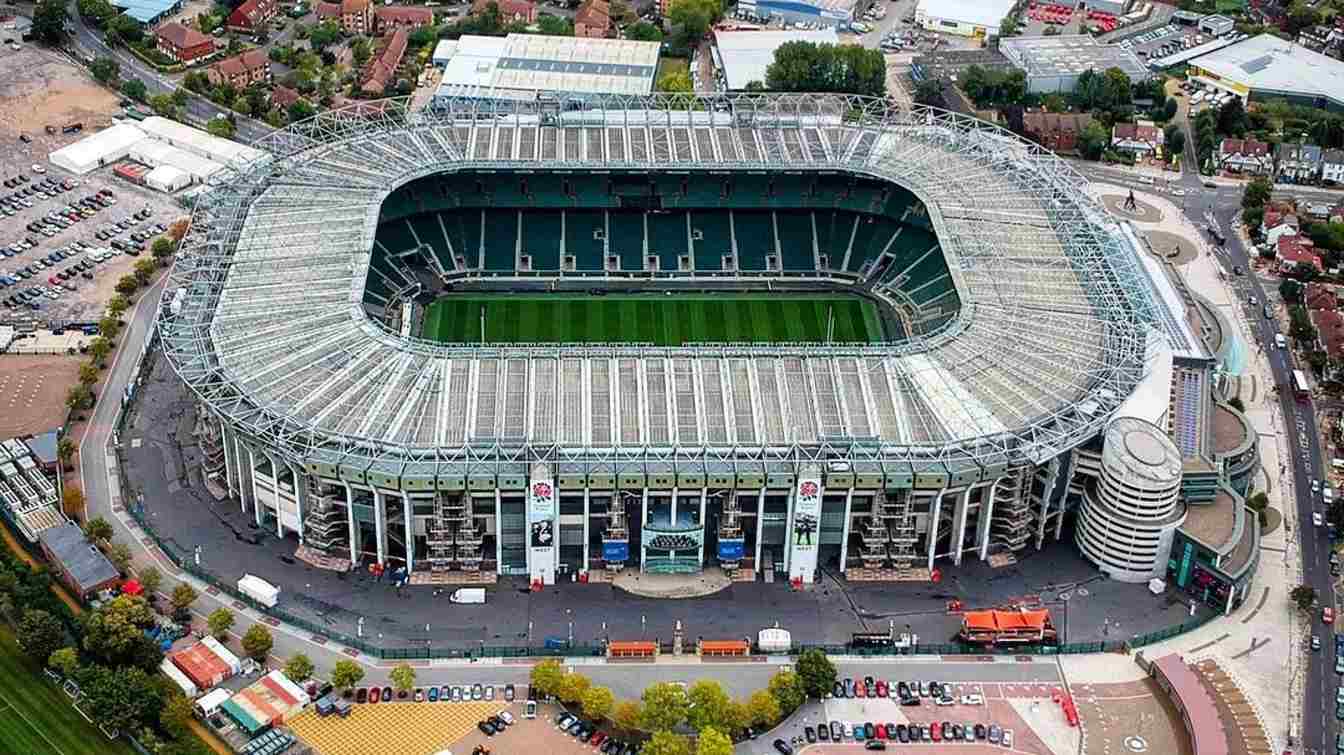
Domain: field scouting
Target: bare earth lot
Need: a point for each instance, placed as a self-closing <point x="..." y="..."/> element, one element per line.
<point x="32" y="392"/>
<point x="43" y="87"/>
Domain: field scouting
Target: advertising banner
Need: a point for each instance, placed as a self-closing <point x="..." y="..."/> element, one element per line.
<point x="732" y="550"/>
<point x="804" y="531"/>
<point x="616" y="551"/>
<point x="542" y="530"/>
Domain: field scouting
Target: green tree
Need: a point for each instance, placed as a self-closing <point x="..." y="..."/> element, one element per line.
<point x="98" y="530"/>
<point x="403" y="677"/>
<point x="677" y="80"/>
<point x="40" y="633"/>
<point x="98" y="12"/>
<point x="547" y="676"/>
<point x="150" y="578"/>
<point x="811" y="67"/>
<point x="223" y="127"/>
<point x="117" y="305"/>
<point x="64" y="661"/>
<point x="300" y="110"/>
<point x="692" y="18"/>
<point x="120" y="556"/>
<point x="257" y="642"/>
<point x="299" y="668"/>
<point x="105" y="70"/>
<point x="127" y="285"/>
<point x="598" y="702"/>
<point x="816" y="672"/>
<point x="930" y="92"/>
<point x="161" y="248"/>
<point x="88" y="374"/>
<point x="644" y="32"/>
<point x="113" y="632"/>
<point x="626" y="715"/>
<point x="65" y="447"/>
<point x="1174" y="138"/>
<point x="554" y="26"/>
<point x="665" y="706"/>
<point x="346" y="674"/>
<point x="1232" y="120"/>
<point x="710" y="706"/>
<point x="1304" y="596"/>
<point x="324" y="34"/>
<point x="666" y="743"/>
<point x="763" y="709"/>
<point x="219" y="622"/>
<point x="109" y="327"/>
<point x="124" y="29"/>
<point x="1257" y="193"/>
<point x="49" y="19"/>
<point x="144" y="270"/>
<point x="120" y="698"/>
<point x="78" y="398"/>
<point x="164" y="105"/>
<point x="176" y="716"/>
<point x="182" y="598"/>
<point x="787" y="688"/>
<point x="1290" y="290"/>
<point x="100" y="348"/>
<point x="713" y="742"/>
<point x="196" y="81"/>
<point x="1093" y="141"/>
<point x="572" y="687"/>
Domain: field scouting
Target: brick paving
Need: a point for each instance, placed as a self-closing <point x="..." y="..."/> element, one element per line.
<point x="1112" y="712"/>
<point x="394" y="727"/>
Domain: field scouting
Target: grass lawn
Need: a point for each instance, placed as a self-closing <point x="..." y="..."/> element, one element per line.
<point x="672" y="65"/>
<point x="36" y="718"/>
<point x="651" y="318"/>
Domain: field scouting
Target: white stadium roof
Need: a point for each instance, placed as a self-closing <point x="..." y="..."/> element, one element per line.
<point x="1274" y="66"/>
<point x="986" y="13"/>
<point x="519" y="65"/>
<point x="746" y="54"/>
<point x="1051" y="339"/>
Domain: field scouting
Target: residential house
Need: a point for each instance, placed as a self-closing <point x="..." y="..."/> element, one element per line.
<point x="282" y="97"/>
<point x="1142" y="139"/>
<point x="1057" y="132"/>
<point x="1297" y="163"/>
<point x="239" y="71"/>
<point x="76" y="562"/>
<point x="252" y="16"/>
<point x="593" y="19"/>
<point x="390" y="18"/>
<point x="382" y="69"/>
<point x="1246" y="156"/>
<point x="327" y="11"/>
<point x="1329" y="332"/>
<point x="183" y="43"/>
<point x="1320" y="38"/>
<point x="1290" y="251"/>
<point x="1279" y="221"/>
<point x="1332" y="166"/>
<point x="356" y="16"/>
<point x="1320" y="296"/>
<point x="509" y="10"/>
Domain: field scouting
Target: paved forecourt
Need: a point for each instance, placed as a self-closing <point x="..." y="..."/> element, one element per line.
<point x="659" y="319"/>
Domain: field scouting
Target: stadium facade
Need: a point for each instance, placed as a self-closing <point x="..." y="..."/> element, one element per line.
<point x="1021" y="322"/>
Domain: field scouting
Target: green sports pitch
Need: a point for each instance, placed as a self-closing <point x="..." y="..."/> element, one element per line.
<point x="652" y="318"/>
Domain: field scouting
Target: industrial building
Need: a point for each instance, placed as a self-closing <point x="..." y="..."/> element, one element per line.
<point x="819" y="13"/>
<point x="1113" y="7"/>
<point x="968" y="18"/>
<point x="179" y="154"/>
<point x="1266" y="67"/>
<point x="743" y="56"/>
<point x="1053" y="64"/>
<point x="522" y="67"/>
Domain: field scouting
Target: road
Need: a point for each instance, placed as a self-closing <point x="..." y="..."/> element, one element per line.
<point x="1223" y="204"/>
<point x="87" y="41"/>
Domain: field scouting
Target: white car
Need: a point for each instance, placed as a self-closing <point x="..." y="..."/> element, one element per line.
<point x="1007" y="740"/>
<point x="1315" y="486"/>
<point x="972" y="700"/>
<point x="506" y="717"/>
<point x="38" y="168"/>
<point x="1316" y="519"/>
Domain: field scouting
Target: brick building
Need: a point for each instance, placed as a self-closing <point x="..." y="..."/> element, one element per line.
<point x="182" y="43"/>
<point x="593" y="19"/>
<point x="239" y="71"/>
<point x="252" y="16"/>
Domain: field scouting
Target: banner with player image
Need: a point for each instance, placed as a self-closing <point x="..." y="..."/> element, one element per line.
<point x="805" y="534"/>
<point x="542" y="531"/>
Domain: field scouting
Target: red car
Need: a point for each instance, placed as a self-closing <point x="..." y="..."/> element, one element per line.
<point x="374" y="694"/>
<point x="881" y="688"/>
<point x="598" y="739"/>
<point x="935" y="731"/>
<point x="880" y="730"/>
<point x="1328" y="615"/>
<point x="859" y="691"/>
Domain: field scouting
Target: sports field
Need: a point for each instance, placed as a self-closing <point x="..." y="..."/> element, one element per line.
<point x="36" y="718"/>
<point x="651" y="318"/>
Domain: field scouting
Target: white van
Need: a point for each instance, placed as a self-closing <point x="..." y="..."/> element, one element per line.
<point x="1280" y="341"/>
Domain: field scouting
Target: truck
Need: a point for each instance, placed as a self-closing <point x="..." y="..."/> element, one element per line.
<point x="467" y="595"/>
<point x="259" y="590"/>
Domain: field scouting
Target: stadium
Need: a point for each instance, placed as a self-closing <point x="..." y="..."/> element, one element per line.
<point x="768" y="334"/>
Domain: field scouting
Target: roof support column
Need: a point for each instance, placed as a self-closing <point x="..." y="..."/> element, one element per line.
<point x="760" y="517"/>
<point x="380" y="525"/>
<point x="700" y="553"/>
<point x="499" y="530"/>
<point x="959" y="516"/>
<point x="230" y="463"/>
<point x="407" y="506"/>
<point x="986" y="515"/>
<point x="934" y="513"/>
<point x="300" y="494"/>
<point x="256" y="498"/>
<point x="844" y="530"/>
<point x="350" y="524"/>
<point x="586" y="513"/>
<point x="644" y="518"/>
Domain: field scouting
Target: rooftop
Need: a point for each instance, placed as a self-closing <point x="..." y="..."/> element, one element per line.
<point x="1213" y="524"/>
<point x="1200" y="711"/>
<point x="85" y="564"/>
<point x="145" y="11"/>
<point x="1269" y="64"/>
<point x="534" y="62"/>
<point x="976" y="12"/>
<point x="746" y="54"/>
<point x="1071" y="54"/>
<point x="1229" y="431"/>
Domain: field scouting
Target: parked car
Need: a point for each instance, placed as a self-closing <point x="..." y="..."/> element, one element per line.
<point x="361" y="695"/>
<point x="486" y="728"/>
<point x="1328" y="615"/>
<point x="508" y="693"/>
<point x="387" y="694"/>
<point x="477" y="692"/>
<point x="782" y="747"/>
<point x="375" y="694"/>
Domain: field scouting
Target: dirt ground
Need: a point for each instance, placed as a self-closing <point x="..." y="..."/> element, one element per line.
<point x="190" y="10"/>
<point x="43" y="87"/>
<point x="1124" y="717"/>
<point x="32" y="392"/>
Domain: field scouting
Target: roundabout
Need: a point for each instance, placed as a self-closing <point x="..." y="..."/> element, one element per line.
<point x="1141" y="211"/>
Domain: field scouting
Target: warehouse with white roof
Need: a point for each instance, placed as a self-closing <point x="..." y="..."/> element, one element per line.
<point x="521" y="66"/>
<point x="744" y="55"/>
<point x="968" y="18"/>
<point x="1266" y="67"/>
<point x="96" y="150"/>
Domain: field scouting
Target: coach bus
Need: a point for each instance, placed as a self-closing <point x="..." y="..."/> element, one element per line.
<point x="1300" y="385"/>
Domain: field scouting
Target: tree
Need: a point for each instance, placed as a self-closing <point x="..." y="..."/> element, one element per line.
<point x="598" y="702"/>
<point x="88" y="374"/>
<point x="182" y="598"/>
<point x="554" y="26"/>
<point x="40" y="633"/>
<point x="1257" y="193"/>
<point x="117" y="305"/>
<point x="127" y="285"/>
<point x="1290" y="290"/>
<point x="257" y="642"/>
<point x="811" y="67"/>
<point x="79" y="397"/>
<point x="144" y="270"/>
<point x="163" y="105"/>
<point x="124" y="29"/>
<point x="196" y="81"/>
<point x="120" y="698"/>
<point x="105" y="70"/>
<point x="113" y="632"/>
<point x="763" y="709"/>
<point x="678" y="80"/>
<point x="666" y="743"/>
<point x="1300" y="16"/>
<point x="713" y="742"/>
<point x="1304" y="596"/>
<point x="1174" y="137"/>
<point x="930" y="92"/>
<point x="788" y="690"/>
<point x="177" y="229"/>
<point x="403" y="677"/>
<point x="65" y="447"/>
<point x="299" y="668"/>
<point x="1232" y="119"/>
<point x="150" y="578"/>
<point x="223" y="127"/>
<point x="644" y="32"/>
<point x="98" y="530"/>
<point x="100" y="348"/>
<point x="49" y="21"/>
<point x="665" y="706"/>
<point x="120" y="556"/>
<point x="300" y="110"/>
<point x="710" y="706"/>
<point x="346" y="674"/>
<point x="175" y="718"/>
<point x="693" y="17"/>
<point x="546" y="677"/>
<point x="72" y="500"/>
<point x="161" y="248"/>
<point x="1170" y="108"/>
<point x="64" y="661"/>
<point x="96" y="11"/>
<point x="324" y="34"/>
<point x="219" y="622"/>
<point x="109" y="327"/>
<point x="816" y="672"/>
<point x="1093" y="140"/>
<point x="572" y="687"/>
<point x="626" y="715"/>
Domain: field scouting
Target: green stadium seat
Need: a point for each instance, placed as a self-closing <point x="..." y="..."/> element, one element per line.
<point x="589" y="191"/>
<point x="541" y="239"/>
<point x="833" y="232"/>
<point x="711" y="238"/>
<point x="797" y="245"/>
<point x="870" y="237"/>
<point x="507" y="191"/>
<point x="395" y="236"/>
<point x="668" y="239"/>
<point x="547" y="190"/>
<point x="500" y="233"/>
<point x="754" y="231"/>
<point x="750" y="191"/>
<point x="588" y="252"/>
<point x="426" y="227"/>
<point x="626" y="239"/>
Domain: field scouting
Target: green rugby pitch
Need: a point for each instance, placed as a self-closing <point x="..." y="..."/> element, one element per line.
<point x="651" y="318"/>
